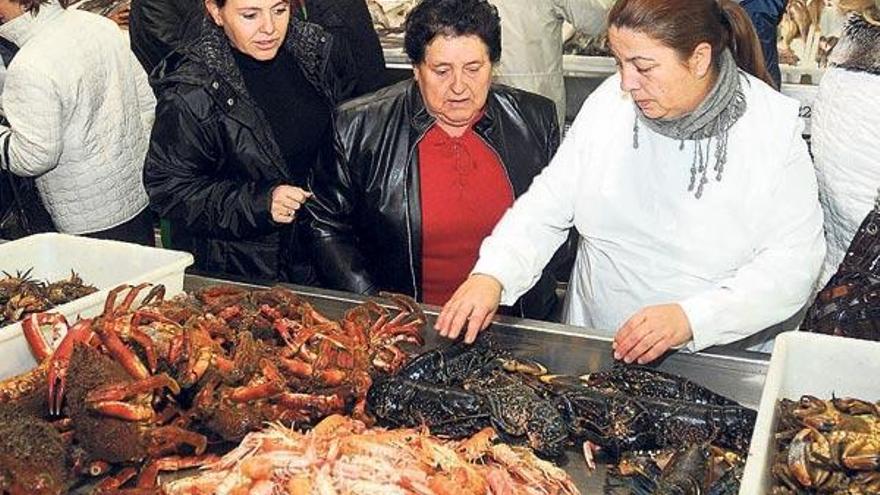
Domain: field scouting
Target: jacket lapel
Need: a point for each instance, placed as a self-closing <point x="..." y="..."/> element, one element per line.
<point x="307" y="43"/>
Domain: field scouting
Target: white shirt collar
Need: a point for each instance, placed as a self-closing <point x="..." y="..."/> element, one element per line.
<point x="21" y="29"/>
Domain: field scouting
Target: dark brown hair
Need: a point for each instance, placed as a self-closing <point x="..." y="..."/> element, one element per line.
<point x="294" y="4"/>
<point x="33" y="6"/>
<point x="432" y="18"/>
<point x="684" y="24"/>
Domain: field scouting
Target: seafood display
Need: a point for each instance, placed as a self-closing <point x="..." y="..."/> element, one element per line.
<point x="461" y="389"/>
<point x="849" y="304"/>
<point x="827" y="446"/>
<point x="580" y="43"/>
<point x="343" y="455"/>
<point x="619" y="422"/>
<point x="691" y="469"/>
<point x="388" y="18"/>
<point x="810" y="29"/>
<point x="33" y="457"/>
<point x="149" y="386"/>
<point x="155" y="384"/>
<point x="21" y="295"/>
<point x="458" y="390"/>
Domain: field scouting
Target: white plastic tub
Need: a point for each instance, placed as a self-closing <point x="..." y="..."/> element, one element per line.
<point x="814" y="364"/>
<point x="103" y="264"/>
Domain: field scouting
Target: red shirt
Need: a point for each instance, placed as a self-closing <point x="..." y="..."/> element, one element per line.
<point x="465" y="191"/>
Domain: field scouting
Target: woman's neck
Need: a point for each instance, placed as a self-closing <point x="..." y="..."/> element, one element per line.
<point x="701" y="88"/>
<point x="454" y="130"/>
<point x="245" y="61"/>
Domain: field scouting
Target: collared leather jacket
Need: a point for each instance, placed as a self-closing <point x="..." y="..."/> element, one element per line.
<point x="213" y="160"/>
<point x="366" y="209"/>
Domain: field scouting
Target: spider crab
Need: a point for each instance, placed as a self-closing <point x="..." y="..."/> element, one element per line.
<point x="310" y="367"/>
<point x="118" y="411"/>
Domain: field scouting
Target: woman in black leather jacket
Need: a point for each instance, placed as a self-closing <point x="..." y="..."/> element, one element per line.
<point x="423" y="169"/>
<point x="243" y="113"/>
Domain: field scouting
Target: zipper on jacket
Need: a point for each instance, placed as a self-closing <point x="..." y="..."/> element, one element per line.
<point x="503" y="165"/>
<point x="412" y="265"/>
<point x="522" y="311"/>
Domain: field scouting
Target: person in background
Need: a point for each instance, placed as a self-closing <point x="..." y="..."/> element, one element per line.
<point x="765" y="16"/>
<point x="846" y="120"/>
<point x="79" y="109"/>
<point x="425" y="168"/>
<point x="157" y="27"/>
<point x="691" y="188"/>
<point x="244" y="113"/>
<point x="349" y="20"/>
<point x="532" y="42"/>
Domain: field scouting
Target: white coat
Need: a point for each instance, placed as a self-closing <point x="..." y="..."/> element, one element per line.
<point x="80" y="111"/>
<point x="846" y="136"/>
<point x="738" y="260"/>
<point x="531" y="42"/>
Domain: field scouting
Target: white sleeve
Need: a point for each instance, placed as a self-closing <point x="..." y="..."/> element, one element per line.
<point x="778" y="280"/>
<point x="587" y="16"/>
<point x="31" y="145"/>
<point x="536" y="225"/>
<point x="146" y="98"/>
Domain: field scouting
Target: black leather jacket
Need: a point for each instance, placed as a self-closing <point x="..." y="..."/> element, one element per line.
<point x="367" y="220"/>
<point x="213" y="160"/>
<point x="349" y="20"/>
<point x="156" y="27"/>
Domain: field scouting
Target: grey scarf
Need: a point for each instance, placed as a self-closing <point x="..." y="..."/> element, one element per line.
<point x="712" y="120"/>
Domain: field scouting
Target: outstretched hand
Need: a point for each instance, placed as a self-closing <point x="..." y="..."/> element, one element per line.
<point x="650" y="332"/>
<point x="474" y="304"/>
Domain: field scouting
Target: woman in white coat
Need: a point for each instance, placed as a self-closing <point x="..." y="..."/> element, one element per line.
<point x="80" y="111"/>
<point x="846" y="136"/>
<point x="689" y="183"/>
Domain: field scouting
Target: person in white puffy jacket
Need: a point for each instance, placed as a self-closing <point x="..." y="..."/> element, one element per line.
<point x="846" y="135"/>
<point x="80" y="111"/>
<point x="690" y="186"/>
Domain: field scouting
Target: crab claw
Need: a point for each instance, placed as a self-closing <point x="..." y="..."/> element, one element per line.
<point x="802" y="457"/>
<point x="80" y="332"/>
<point x="32" y="329"/>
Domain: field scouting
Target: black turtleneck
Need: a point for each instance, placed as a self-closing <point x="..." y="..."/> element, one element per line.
<point x="297" y="113"/>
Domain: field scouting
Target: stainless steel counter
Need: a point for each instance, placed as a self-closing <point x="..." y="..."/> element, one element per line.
<point x="565" y="349"/>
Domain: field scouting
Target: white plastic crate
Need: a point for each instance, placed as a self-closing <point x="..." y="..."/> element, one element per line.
<point x="814" y="364"/>
<point x="103" y="264"/>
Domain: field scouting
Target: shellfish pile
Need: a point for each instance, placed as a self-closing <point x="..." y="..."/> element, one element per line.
<point x="342" y="455"/>
<point x="827" y="446"/>
<point x="144" y="389"/>
<point x="21" y="295"/>
<point x="461" y="389"/>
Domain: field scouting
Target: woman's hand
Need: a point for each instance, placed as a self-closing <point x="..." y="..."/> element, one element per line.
<point x="475" y="303"/>
<point x="651" y="332"/>
<point x="286" y="200"/>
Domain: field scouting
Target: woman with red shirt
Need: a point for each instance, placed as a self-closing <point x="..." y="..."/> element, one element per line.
<point x="424" y="169"/>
